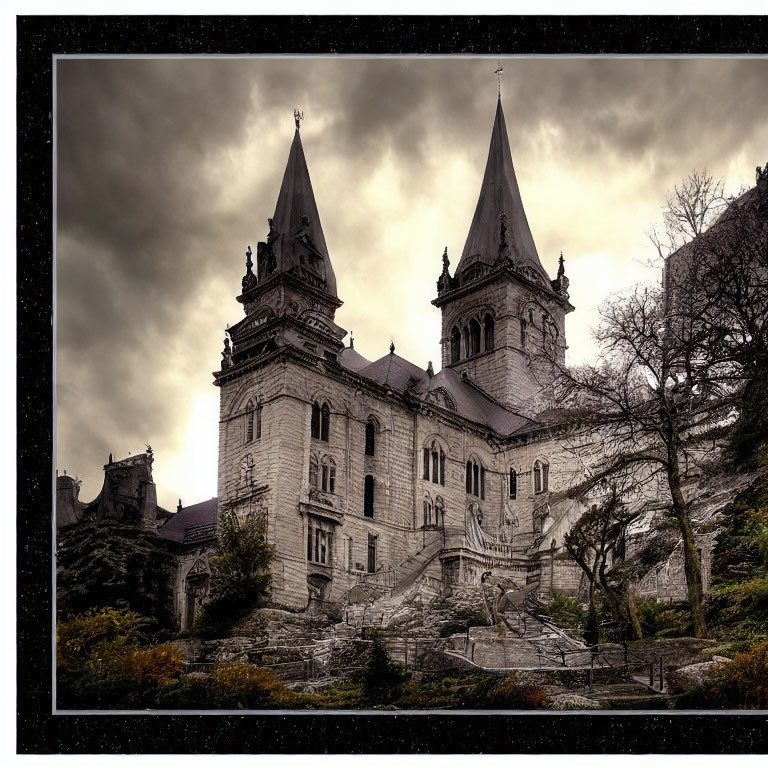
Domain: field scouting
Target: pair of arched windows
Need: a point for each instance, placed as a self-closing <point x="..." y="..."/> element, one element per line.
<point x="475" y="338"/>
<point x="434" y="514"/>
<point x="475" y="479"/>
<point x="321" y="421"/>
<point x="252" y="422"/>
<point x="322" y="473"/>
<point x="433" y="461"/>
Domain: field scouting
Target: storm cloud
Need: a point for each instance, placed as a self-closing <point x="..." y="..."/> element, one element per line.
<point x="167" y="169"/>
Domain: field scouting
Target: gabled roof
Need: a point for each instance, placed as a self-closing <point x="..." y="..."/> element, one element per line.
<point x="499" y="194"/>
<point x="203" y="513"/>
<point x="295" y="239"/>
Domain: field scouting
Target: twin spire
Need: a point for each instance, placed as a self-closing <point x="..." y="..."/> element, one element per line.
<point x="499" y="227"/>
<point x="296" y="242"/>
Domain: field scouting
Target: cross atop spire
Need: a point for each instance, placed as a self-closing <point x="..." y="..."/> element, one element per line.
<point x="298" y="117"/>
<point x="499" y="69"/>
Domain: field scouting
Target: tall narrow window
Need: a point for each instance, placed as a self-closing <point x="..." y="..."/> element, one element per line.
<point x="482" y="482"/>
<point x="370" y="439"/>
<point x="249" y="421"/>
<point x="489" y="330"/>
<point x="435" y="464"/>
<point x="329" y="538"/>
<point x="474" y="334"/>
<point x="324" y="484"/>
<point x="475" y="479"/>
<point x="425" y="473"/>
<point x="467" y="347"/>
<point x="258" y="422"/>
<point x="316" y="421"/>
<point x="455" y="345"/>
<point x="325" y="422"/>
<point x="332" y="477"/>
<point x="442" y="468"/>
<point x="309" y="542"/>
<point x="469" y="477"/>
<point x="512" y="484"/>
<point x="371" y="553"/>
<point x="427" y="513"/>
<point x="350" y="561"/>
<point x="313" y="471"/>
<point x="538" y="477"/>
<point x="545" y="476"/>
<point x="368" y="500"/>
<point x="523" y="333"/>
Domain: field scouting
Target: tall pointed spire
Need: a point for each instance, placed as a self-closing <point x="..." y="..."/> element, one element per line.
<point x="499" y="227"/>
<point x="296" y="241"/>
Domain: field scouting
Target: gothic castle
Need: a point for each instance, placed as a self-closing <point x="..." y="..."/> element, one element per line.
<point x="374" y="474"/>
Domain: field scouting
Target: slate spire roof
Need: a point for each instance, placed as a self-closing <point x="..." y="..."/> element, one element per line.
<point x="296" y="234"/>
<point x="500" y="217"/>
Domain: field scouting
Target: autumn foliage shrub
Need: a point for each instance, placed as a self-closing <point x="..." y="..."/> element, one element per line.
<point x="503" y="693"/>
<point x="240" y="685"/>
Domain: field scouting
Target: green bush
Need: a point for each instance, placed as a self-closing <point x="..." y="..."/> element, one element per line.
<point x="383" y="679"/>
<point x="188" y="692"/>
<point x="565" y="611"/>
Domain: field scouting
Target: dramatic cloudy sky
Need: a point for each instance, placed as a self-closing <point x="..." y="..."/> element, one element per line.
<point x="169" y="168"/>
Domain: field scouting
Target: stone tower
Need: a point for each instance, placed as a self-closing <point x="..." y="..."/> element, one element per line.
<point x="266" y="402"/>
<point x="503" y="319"/>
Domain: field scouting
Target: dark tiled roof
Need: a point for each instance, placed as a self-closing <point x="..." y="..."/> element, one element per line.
<point x="350" y="358"/>
<point x="472" y="403"/>
<point x="396" y="373"/>
<point x="193" y="516"/>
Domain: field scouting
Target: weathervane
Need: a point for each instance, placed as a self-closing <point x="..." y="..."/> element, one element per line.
<point x="499" y="69"/>
<point x="298" y="117"/>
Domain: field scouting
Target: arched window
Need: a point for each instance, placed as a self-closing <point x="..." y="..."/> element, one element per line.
<point x="439" y="511"/>
<point x="512" y="484"/>
<point x="455" y="345"/>
<point x="328" y="476"/>
<point x="467" y="347"/>
<point x="475" y="481"/>
<point x="325" y="422"/>
<point x="370" y="438"/>
<point x="258" y="421"/>
<point x="540" y="476"/>
<point x="249" y="413"/>
<point x="368" y="500"/>
<point x="433" y="460"/>
<point x="489" y="330"/>
<point x="427" y="511"/>
<point x="316" y="421"/>
<point x="474" y="336"/>
<point x="313" y="464"/>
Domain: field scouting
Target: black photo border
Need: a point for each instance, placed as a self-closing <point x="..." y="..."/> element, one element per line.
<point x="39" y="731"/>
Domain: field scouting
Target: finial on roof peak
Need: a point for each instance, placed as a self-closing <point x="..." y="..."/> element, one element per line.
<point x="351" y="340"/>
<point x="561" y="265"/>
<point x="298" y="117"/>
<point x="392" y="347"/>
<point x="178" y="509"/>
<point x="430" y="370"/>
<point x="499" y="69"/>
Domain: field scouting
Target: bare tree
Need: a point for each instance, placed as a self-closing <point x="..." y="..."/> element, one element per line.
<point x="677" y="360"/>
